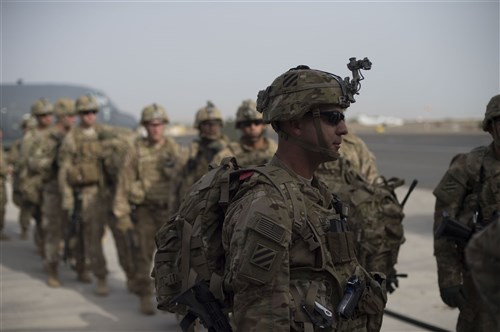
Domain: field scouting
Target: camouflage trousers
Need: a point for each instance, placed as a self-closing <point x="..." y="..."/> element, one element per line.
<point x="93" y="216"/>
<point x="122" y="247"/>
<point x="3" y="203"/>
<point x="474" y="316"/>
<point x="148" y="219"/>
<point x="54" y="222"/>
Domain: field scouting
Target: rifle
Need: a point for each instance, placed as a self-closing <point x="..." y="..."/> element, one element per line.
<point x="203" y="305"/>
<point x="453" y="230"/>
<point x="75" y="228"/>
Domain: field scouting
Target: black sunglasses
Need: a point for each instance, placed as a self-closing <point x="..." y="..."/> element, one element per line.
<point x="89" y="112"/>
<point x="248" y="123"/>
<point x="334" y="117"/>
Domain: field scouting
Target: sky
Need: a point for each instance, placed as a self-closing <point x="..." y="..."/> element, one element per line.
<point x="431" y="59"/>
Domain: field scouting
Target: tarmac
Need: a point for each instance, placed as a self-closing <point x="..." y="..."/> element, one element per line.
<point x="28" y="304"/>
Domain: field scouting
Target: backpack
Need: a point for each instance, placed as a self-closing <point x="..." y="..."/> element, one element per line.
<point x="375" y="215"/>
<point x="189" y="244"/>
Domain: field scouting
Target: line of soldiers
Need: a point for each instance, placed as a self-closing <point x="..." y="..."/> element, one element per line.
<point x="73" y="180"/>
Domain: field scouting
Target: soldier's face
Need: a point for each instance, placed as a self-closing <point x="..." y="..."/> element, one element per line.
<point x="252" y="130"/>
<point x="155" y="129"/>
<point x="210" y="129"/>
<point x="44" y="120"/>
<point x="88" y="118"/>
<point x="332" y="125"/>
<point x="69" y="121"/>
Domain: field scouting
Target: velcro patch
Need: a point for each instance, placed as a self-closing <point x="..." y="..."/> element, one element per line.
<point x="270" y="229"/>
<point x="263" y="257"/>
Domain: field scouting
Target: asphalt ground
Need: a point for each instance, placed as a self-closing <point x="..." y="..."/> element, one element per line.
<point x="28" y="304"/>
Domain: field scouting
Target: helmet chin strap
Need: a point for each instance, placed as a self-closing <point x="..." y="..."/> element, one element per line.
<point x="323" y="147"/>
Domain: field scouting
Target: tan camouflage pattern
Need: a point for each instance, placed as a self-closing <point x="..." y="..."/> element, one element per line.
<point x="459" y="194"/>
<point x="81" y="151"/>
<point x="207" y="113"/>
<point x="42" y="106"/>
<point x="146" y="195"/>
<point x="354" y="149"/>
<point x="200" y="154"/>
<point x="3" y="189"/>
<point x="483" y="259"/>
<point x="86" y="103"/>
<point x="63" y="107"/>
<point x="293" y="93"/>
<point x="271" y="266"/>
<point x="247" y="111"/>
<point x="154" y="112"/>
<point x="247" y="155"/>
<point x="492" y="111"/>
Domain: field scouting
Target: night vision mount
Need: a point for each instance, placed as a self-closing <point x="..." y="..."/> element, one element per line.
<point x="353" y="86"/>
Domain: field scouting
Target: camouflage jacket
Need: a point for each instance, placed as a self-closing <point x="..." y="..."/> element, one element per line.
<point x="471" y="185"/>
<point x="146" y="176"/>
<point x="246" y="155"/>
<point x="360" y="157"/>
<point x="200" y="155"/>
<point x="278" y="258"/>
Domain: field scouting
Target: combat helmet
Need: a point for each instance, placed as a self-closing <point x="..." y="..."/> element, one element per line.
<point x="209" y="112"/>
<point x="41" y="107"/>
<point x="154" y="112"/>
<point x="292" y="94"/>
<point x="86" y="103"/>
<point x="247" y="112"/>
<point x="64" y="106"/>
<point x="492" y="111"/>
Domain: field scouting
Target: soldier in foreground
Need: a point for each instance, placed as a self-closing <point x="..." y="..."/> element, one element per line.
<point x="81" y="181"/>
<point x="253" y="147"/>
<point x="289" y="262"/>
<point x="208" y="121"/>
<point x="467" y="198"/>
<point x="44" y="160"/>
<point x="28" y="122"/>
<point x="144" y="195"/>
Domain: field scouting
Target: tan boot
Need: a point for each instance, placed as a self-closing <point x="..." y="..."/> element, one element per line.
<point x="101" y="288"/>
<point x="146" y="307"/>
<point x="84" y="276"/>
<point x="53" y="279"/>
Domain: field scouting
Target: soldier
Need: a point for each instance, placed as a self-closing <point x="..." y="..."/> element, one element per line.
<point x="289" y="261"/>
<point x="202" y="150"/>
<point x="30" y="178"/>
<point x="468" y="194"/>
<point x="28" y="122"/>
<point x="3" y="190"/>
<point x="253" y="148"/>
<point x="44" y="161"/>
<point x="354" y="149"/>
<point x="81" y="182"/>
<point x="145" y="193"/>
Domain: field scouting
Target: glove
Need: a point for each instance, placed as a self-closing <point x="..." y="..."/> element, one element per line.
<point x="124" y="224"/>
<point x="453" y="296"/>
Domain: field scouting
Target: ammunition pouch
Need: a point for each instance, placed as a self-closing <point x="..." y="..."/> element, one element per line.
<point x="373" y="300"/>
<point x="341" y="246"/>
<point x="84" y="173"/>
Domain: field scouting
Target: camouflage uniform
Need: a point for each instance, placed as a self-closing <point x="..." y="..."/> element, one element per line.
<point x="14" y="161"/>
<point x="203" y="149"/>
<point x="43" y="161"/>
<point x="246" y="154"/>
<point x="483" y="259"/>
<point x="359" y="157"/>
<point x="81" y="179"/>
<point x="31" y="177"/>
<point x="3" y="193"/>
<point x="116" y="143"/>
<point x="145" y="193"/>
<point x="282" y="256"/>
<point x="467" y="192"/>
